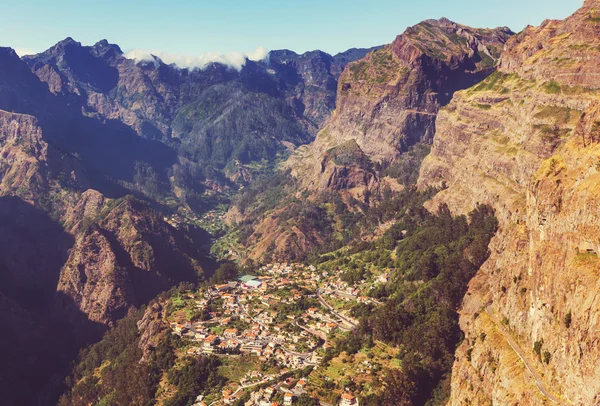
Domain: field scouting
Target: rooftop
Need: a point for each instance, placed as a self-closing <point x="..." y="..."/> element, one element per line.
<point x="247" y="278"/>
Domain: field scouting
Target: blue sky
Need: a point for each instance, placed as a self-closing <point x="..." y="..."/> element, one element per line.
<point x="195" y="27"/>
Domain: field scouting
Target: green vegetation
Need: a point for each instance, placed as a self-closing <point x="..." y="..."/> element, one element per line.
<point x="434" y="261"/>
<point x="568" y="319"/>
<point x="379" y="69"/>
<point x="260" y="122"/>
<point x="192" y="377"/>
<point x="493" y="82"/>
<point x="552" y="87"/>
<point x="350" y="154"/>
<point x="110" y="372"/>
<point x="537" y="347"/>
<point x="547" y="357"/>
<point x="405" y="169"/>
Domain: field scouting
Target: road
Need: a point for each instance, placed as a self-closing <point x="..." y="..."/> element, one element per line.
<point x="303" y="355"/>
<point x="529" y="365"/>
<point x="328" y="306"/>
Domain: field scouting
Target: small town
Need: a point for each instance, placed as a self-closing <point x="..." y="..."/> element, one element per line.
<point x="282" y="317"/>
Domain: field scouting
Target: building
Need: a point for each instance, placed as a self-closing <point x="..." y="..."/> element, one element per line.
<point x="252" y="284"/>
<point x="247" y="278"/>
<point x="301" y="384"/>
<point x="223" y="288"/>
<point x="209" y="343"/>
<point x="348" y="400"/>
<point x="231" y="333"/>
<point x="288" y="399"/>
<point x="269" y="392"/>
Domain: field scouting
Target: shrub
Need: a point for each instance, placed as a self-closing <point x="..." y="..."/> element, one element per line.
<point x="568" y="319"/>
<point x="546" y="357"/>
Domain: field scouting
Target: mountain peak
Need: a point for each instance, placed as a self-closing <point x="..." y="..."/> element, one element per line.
<point x="67" y="41"/>
<point x="103" y="46"/>
<point x="441" y="22"/>
<point x="7" y="52"/>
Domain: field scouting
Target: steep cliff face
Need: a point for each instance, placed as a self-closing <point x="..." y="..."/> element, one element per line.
<point x="217" y="119"/>
<point x="72" y="261"/>
<point x="388" y="101"/>
<point x="123" y="256"/>
<point x="387" y="104"/>
<point x="526" y="141"/>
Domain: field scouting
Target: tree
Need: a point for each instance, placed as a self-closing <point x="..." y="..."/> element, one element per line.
<point x="305" y="400"/>
<point x="224" y="273"/>
<point x="399" y="389"/>
<point x="568" y="320"/>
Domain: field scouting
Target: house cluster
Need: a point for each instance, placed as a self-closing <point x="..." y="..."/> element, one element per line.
<point x="267" y="333"/>
<point x="290" y="388"/>
<point x="261" y="315"/>
<point x="262" y="397"/>
<point x="336" y="285"/>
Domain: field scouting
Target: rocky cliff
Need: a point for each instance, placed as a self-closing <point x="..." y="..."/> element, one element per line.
<point x="217" y="119"/>
<point x="526" y="141"/>
<point x="388" y="100"/>
<point x="124" y="255"/>
<point x="387" y="104"/>
<point x="73" y="261"/>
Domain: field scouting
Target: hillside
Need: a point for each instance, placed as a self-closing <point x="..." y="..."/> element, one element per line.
<point x="410" y="224"/>
<point x="384" y="120"/>
<point x="525" y="141"/>
<point x="220" y="125"/>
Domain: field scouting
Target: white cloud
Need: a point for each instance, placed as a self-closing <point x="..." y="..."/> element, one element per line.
<point x="235" y="60"/>
<point x="24" y="51"/>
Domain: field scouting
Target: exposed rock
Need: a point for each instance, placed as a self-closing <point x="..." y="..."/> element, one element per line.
<point x="526" y="142"/>
<point x="387" y="102"/>
<point x="151" y="327"/>
<point x="212" y="116"/>
<point x="124" y="256"/>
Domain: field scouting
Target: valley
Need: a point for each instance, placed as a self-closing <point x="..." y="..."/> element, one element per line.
<point x="409" y="224"/>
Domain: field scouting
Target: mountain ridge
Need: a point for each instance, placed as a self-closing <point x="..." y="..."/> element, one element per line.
<point x="386" y="109"/>
<point x="525" y="141"/>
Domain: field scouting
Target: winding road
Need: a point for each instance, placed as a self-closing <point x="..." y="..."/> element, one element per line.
<point x="340" y="316"/>
<point x="529" y="365"/>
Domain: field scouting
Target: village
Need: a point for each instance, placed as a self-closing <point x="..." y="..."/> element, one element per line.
<point x="283" y="316"/>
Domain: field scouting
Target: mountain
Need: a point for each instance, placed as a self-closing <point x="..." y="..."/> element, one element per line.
<point x="74" y="260"/>
<point x="458" y="165"/>
<point x="526" y="141"/>
<point x="96" y="151"/>
<point x="385" y="116"/>
<point x="217" y="120"/>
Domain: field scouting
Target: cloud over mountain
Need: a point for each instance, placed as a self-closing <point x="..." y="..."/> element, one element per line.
<point x="25" y="51"/>
<point x="235" y="60"/>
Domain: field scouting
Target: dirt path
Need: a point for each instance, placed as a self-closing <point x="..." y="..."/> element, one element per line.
<point x="529" y="365"/>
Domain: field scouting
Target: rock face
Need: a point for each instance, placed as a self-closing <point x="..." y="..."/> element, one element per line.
<point x="213" y="118"/>
<point x="526" y="141"/>
<point x="73" y="260"/>
<point x="151" y="327"/>
<point x="125" y="257"/>
<point x="387" y="103"/>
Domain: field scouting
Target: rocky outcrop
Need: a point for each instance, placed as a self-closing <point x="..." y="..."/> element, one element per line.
<point x="526" y="142"/>
<point x="387" y="102"/>
<point x="124" y="255"/>
<point x="151" y="327"/>
<point x="212" y="117"/>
